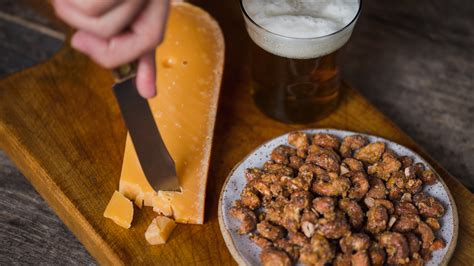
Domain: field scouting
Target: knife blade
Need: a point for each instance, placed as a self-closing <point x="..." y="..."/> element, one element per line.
<point x="155" y="160"/>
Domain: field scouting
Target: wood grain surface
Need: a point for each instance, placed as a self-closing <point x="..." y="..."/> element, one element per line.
<point x="228" y="146"/>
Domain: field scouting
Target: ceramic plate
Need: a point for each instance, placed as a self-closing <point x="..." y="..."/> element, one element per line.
<point x="245" y="252"/>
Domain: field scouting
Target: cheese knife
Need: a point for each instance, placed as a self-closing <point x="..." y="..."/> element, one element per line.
<point x="155" y="160"/>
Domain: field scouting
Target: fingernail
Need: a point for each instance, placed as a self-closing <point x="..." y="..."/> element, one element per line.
<point x="147" y="93"/>
<point x="152" y="93"/>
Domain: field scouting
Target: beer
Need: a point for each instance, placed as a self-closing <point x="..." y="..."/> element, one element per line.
<point x="294" y="59"/>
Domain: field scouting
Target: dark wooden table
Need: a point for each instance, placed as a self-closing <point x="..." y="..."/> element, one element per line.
<point x="413" y="59"/>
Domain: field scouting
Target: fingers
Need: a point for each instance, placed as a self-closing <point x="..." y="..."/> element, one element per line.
<point x="146" y="75"/>
<point x="146" y="33"/>
<point x="94" y="8"/>
<point x="146" y="72"/>
<point x="110" y="23"/>
<point x="89" y="44"/>
<point x="119" y="50"/>
<point x="151" y="22"/>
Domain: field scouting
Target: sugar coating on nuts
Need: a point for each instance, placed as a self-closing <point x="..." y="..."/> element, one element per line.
<point x="321" y="200"/>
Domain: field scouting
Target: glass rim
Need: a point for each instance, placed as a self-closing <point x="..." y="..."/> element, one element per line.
<point x="242" y="8"/>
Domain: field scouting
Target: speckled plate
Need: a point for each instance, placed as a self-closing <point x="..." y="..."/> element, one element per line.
<point x="245" y="252"/>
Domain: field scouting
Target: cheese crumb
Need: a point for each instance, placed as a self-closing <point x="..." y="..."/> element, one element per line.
<point x="119" y="210"/>
<point x="159" y="230"/>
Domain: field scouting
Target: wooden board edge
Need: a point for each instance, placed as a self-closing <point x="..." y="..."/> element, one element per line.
<point x="58" y="201"/>
<point x="46" y="187"/>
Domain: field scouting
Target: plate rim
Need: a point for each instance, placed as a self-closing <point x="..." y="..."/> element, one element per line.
<point x="229" y="241"/>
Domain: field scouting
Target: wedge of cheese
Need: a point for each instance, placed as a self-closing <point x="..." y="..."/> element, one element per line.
<point x="189" y="65"/>
<point x="159" y="230"/>
<point x="119" y="210"/>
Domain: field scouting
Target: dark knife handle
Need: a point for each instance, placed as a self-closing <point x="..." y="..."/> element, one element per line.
<point x="125" y="71"/>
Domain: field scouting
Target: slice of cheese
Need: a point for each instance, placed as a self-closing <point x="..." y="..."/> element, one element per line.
<point x="159" y="230"/>
<point x="189" y="66"/>
<point x="119" y="210"/>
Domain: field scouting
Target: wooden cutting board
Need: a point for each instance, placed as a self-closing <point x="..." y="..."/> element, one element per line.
<point x="61" y="126"/>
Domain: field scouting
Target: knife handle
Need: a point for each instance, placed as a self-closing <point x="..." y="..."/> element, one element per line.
<point x="125" y="71"/>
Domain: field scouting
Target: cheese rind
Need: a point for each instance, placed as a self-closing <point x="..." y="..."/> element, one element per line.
<point x="189" y="69"/>
<point x="159" y="230"/>
<point x="119" y="210"/>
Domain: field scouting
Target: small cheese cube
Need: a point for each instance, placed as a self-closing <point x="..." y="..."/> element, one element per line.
<point x="159" y="230"/>
<point x="120" y="210"/>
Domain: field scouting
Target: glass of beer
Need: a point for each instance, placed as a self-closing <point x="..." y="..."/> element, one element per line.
<point x="295" y="73"/>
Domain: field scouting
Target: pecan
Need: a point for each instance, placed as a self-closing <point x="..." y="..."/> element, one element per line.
<point x="333" y="186"/>
<point x="403" y="208"/>
<point x="298" y="139"/>
<point x="377" y="219"/>
<point x="360" y="258"/>
<point x="353" y="165"/>
<point x="428" y="205"/>
<point x="318" y="252"/>
<point x="406" y="223"/>
<point x="291" y="218"/>
<point x="386" y="167"/>
<point x="414" y="243"/>
<point x="302" y="181"/>
<point x="370" y="153"/>
<point x="342" y="259"/>
<point x="324" y="206"/>
<point x="360" y="185"/>
<point x="352" y="143"/>
<point x="295" y="162"/>
<point x="270" y="231"/>
<point x="252" y="174"/>
<point x="326" y="141"/>
<point x="249" y="198"/>
<point x="376" y="254"/>
<point x="325" y="160"/>
<point x="278" y="169"/>
<point x="272" y="256"/>
<point x="433" y="223"/>
<point x="406" y="161"/>
<point x="281" y="153"/>
<point x="429" y="177"/>
<point x="353" y="210"/>
<point x="438" y="244"/>
<point x="290" y="249"/>
<point x="396" y="246"/>
<point x="354" y="242"/>
<point x="334" y="227"/>
<point x="426" y="235"/>
<point x="247" y="218"/>
<point x="377" y="188"/>
<point x="261" y="241"/>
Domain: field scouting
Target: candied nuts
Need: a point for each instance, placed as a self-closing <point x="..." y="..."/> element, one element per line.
<point x="321" y="200"/>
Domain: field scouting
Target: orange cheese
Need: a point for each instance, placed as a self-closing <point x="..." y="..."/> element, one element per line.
<point x="119" y="210"/>
<point x="189" y="69"/>
<point x="159" y="230"/>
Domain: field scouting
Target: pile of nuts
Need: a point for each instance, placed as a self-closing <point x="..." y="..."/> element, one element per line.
<point x="323" y="201"/>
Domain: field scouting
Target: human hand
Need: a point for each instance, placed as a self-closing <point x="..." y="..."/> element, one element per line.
<point x="116" y="32"/>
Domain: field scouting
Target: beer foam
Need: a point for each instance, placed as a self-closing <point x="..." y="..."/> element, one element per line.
<point x="308" y="22"/>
